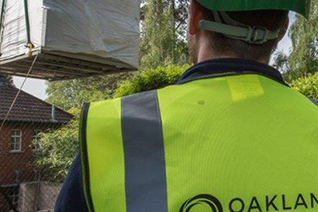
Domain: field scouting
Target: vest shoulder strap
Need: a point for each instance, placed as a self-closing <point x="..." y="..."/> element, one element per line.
<point x="314" y="101"/>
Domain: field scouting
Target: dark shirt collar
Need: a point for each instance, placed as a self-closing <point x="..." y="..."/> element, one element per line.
<point x="227" y="67"/>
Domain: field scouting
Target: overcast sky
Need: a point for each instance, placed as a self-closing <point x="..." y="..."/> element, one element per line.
<point x="38" y="87"/>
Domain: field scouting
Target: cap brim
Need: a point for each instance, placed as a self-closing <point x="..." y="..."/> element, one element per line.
<point x="300" y="6"/>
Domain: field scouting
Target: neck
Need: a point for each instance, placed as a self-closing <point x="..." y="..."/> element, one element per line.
<point x="206" y="53"/>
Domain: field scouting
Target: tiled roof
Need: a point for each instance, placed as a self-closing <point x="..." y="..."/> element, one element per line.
<point x="28" y="108"/>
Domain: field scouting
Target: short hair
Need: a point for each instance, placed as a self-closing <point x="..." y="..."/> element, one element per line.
<point x="270" y="19"/>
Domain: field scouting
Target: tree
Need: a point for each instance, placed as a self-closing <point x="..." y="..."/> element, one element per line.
<point x="57" y="149"/>
<point x="163" y="33"/>
<point x="303" y="59"/>
<point x="281" y="62"/>
<point x="73" y="93"/>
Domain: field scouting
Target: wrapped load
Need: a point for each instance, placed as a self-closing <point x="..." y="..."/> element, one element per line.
<point x="69" y="38"/>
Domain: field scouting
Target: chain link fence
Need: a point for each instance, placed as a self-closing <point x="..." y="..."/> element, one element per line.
<point x="25" y="184"/>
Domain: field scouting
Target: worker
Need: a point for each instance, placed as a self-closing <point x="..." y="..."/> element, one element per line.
<point x="231" y="135"/>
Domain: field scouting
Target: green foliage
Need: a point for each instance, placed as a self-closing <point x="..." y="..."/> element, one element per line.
<point x="73" y="93"/>
<point x="57" y="149"/>
<point x="151" y="79"/>
<point x="307" y="85"/>
<point x="281" y="62"/>
<point x="304" y="57"/>
<point x="163" y="33"/>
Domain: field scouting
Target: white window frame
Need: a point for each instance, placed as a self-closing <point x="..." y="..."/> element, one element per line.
<point x="16" y="140"/>
<point x="35" y="136"/>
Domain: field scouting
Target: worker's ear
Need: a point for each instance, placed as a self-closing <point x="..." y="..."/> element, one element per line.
<point x="283" y="30"/>
<point x="195" y="16"/>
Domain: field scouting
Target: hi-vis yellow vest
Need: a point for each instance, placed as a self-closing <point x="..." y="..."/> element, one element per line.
<point x="242" y="143"/>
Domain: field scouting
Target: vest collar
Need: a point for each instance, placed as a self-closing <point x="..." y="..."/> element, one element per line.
<point x="227" y="67"/>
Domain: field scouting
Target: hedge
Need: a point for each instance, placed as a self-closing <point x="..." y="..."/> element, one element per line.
<point x="307" y="85"/>
<point x="151" y="79"/>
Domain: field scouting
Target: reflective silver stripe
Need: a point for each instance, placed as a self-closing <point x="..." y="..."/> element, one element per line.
<point x="145" y="173"/>
<point x="314" y="101"/>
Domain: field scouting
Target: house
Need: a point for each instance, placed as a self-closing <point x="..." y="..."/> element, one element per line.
<point x="29" y="116"/>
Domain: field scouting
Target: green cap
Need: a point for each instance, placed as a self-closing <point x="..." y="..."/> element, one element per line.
<point x="300" y="6"/>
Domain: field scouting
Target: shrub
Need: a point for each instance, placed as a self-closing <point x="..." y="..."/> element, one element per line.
<point x="307" y="85"/>
<point x="57" y="149"/>
<point x="151" y="79"/>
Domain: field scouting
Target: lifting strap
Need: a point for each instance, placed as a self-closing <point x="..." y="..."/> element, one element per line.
<point x="2" y="13"/>
<point x="1" y="21"/>
<point x="27" y="25"/>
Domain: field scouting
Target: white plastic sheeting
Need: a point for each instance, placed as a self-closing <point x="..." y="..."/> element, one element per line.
<point x="103" y="31"/>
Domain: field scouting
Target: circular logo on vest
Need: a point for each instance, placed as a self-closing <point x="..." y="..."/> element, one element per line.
<point x="203" y="199"/>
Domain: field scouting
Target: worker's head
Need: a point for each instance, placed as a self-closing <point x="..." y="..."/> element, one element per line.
<point x="247" y="33"/>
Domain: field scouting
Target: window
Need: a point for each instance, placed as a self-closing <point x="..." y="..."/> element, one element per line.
<point x="36" y="140"/>
<point x="16" y="140"/>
